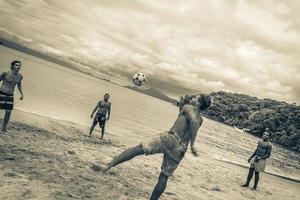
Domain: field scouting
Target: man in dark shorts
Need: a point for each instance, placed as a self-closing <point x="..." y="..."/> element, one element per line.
<point x="9" y="81"/>
<point x="103" y="108"/>
<point x="172" y="144"/>
<point x="258" y="159"/>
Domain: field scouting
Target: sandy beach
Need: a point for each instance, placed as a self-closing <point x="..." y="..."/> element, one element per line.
<point x="235" y="62"/>
<point x="47" y="155"/>
<point x="42" y="158"/>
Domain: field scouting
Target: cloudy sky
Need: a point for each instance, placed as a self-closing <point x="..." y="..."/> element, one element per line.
<point x="243" y="46"/>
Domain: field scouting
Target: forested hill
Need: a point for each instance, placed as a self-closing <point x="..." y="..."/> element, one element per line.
<point x="253" y="115"/>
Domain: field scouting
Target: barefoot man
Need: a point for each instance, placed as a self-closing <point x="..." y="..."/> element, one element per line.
<point x="258" y="159"/>
<point x="103" y="108"/>
<point x="173" y="143"/>
<point x="9" y="81"/>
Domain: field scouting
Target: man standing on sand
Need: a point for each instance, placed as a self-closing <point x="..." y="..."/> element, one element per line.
<point x="9" y="81"/>
<point x="173" y="143"/>
<point x="103" y="108"/>
<point x="258" y="159"/>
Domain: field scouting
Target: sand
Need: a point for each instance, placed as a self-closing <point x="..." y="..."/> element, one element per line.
<point x="42" y="158"/>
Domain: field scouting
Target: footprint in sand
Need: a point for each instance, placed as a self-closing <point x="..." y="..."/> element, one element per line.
<point x="11" y="174"/>
<point x="170" y="193"/>
<point x="216" y="188"/>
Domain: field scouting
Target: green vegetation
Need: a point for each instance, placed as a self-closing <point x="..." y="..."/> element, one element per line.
<point x="254" y="115"/>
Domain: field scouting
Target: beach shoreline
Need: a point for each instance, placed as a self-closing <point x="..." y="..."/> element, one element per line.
<point x="44" y="158"/>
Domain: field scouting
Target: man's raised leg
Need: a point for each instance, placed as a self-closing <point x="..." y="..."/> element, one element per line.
<point x="160" y="186"/>
<point x="126" y="155"/>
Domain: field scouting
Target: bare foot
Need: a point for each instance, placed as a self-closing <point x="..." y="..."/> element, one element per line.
<point x="105" y="169"/>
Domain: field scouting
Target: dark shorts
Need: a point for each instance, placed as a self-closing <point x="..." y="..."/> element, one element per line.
<point x="101" y="119"/>
<point x="6" y="101"/>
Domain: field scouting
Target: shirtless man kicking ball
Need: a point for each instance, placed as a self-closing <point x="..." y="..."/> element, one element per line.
<point x="173" y="143"/>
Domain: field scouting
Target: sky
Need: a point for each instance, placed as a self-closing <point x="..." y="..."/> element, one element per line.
<point x="250" y="47"/>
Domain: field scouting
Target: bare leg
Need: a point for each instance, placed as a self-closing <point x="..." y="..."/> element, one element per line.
<point x="256" y="180"/>
<point x="160" y="186"/>
<point x="250" y="175"/>
<point x="126" y="155"/>
<point x="92" y="127"/>
<point x="6" y="119"/>
<point x="102" y="131"/>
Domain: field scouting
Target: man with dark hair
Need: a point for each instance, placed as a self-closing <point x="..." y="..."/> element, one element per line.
<point x="9" y="81"/>
<point x="258" y="159"/>
<point x="173" y="143"/>
<point x="103" y="108"/>
<point x="183" y="101"/>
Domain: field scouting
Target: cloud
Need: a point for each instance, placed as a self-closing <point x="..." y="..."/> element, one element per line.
<point x="240" y="46"/>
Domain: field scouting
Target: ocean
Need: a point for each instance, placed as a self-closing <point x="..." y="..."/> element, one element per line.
<point x="61" y="93"/>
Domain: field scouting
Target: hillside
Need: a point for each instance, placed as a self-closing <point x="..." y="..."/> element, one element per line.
<point x="36" y="53"/>
<point x="254" y="115"/>
<point x="60" y="60"/>
<point x="154" y="93"/>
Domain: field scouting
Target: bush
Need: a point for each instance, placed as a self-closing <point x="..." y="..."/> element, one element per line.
<point x="255" y="115"/>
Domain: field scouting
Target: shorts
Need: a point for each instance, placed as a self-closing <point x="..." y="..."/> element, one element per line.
<point x="171" y="146"/>
<point x="101" y="119"/>
<point x="6" y="101"/>
<point x="259" y="166"/>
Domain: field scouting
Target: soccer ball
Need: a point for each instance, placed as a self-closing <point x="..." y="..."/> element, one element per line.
<point x="139" y="79"/>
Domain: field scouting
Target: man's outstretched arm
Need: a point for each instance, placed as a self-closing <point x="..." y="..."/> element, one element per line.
<point x="194" y="131"/>
<point x="194" y="127"/>
<point x="252" y="155"/>
<point x="108" y="113"/>
<point x="2" y="76"/>
<point x="20" y="88"/>
<point x="95" y="109"/>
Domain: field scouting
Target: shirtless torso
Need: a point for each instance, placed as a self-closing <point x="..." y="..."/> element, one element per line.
<point x="187" y="124"/>
<point x="103" y="107"/>
<point x="263" y="149"/>
<point x="9" y="81"/>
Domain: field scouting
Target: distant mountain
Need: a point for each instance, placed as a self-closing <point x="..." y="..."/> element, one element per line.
<point x="154" y="93"/>
<point x="36" y="53"/>
<point x="66" y="62"/>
